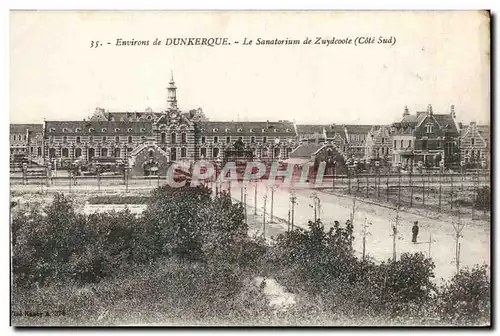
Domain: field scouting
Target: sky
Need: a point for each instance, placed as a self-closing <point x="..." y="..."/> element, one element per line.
<point x="439" y="58"/>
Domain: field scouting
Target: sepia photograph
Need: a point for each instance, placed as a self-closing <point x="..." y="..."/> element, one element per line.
<point x="250" y="168"/>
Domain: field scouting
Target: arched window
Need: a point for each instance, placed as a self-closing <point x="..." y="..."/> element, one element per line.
<point x="117" y="130"/>
<point x="252" y="139"/>
<point x="129" y="139"/>
<point x="183" y="152"/>
<point x="203" y="140"/>
<point x="104" y="152"/>
<point x="52" y="152"/>
<point x="78" y="130"/>
<point x="129" y="130"/>
<point x="78" y="152"/>
<point x="65" y="139"/>
<point x="216" y="139"/>
<point x="104" y="130"/>
<point x="117" y="152"/>
<point x="78" y="139"/>
<point x="173" y="155"/>
<point x="174" y="138"/>
<point x="91" y="129"/>
<point x="65" y="152"/>
<point x="163" y="138"/>
<point x="183" y="138"/>
<point x="215" y="152"/>
<point x="91" y="138"/>
<point x="117" y="139"/>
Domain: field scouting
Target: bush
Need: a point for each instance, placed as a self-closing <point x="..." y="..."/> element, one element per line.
<point x="466" y="298"/>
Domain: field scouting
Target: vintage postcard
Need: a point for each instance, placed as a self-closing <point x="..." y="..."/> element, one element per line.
<point x="233" y="168"/>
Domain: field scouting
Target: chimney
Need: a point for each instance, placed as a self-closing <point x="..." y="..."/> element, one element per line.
<point x="406" y="112"/>
<point x="452" y="111"/>
<point x="429" y="109"/>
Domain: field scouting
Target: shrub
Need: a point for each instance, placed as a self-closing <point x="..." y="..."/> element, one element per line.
<point x="466" y="298"/>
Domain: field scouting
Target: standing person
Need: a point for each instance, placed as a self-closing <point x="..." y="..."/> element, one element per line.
<point x="414" y="231"/>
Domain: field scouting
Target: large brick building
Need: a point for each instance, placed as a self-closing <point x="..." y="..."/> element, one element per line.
<point x="182" y="136"/>
<point x="26" y="139"/>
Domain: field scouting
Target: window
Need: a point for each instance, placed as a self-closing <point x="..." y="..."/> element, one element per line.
<point x="78" y="130"/>
<point x="117" y="130"/>
<point x="215" y="130"/>
<point x="65" y="139"/>
<point x="472" y="141"/>
<point x="203" y="139"/>
<point x="424" y="144"/>
<point x="216" y="139"/>
<point x="183" y="152"/>
<point x="78" y="152"/>
<point x="228" y="139"/>
<point x="117" y="139"/>
<point x="240" y="138"/>
<point x="252" y="130"/>
<point x="104" y="152"/>
<point x="383" y="140"/>
<point x="173" y="154"/>
<point x="65" y="152"/>
<point x="263" y="130"/>
<point x="173" y="138"/>
<point x="129" y="139"/>
<point x="91" y="138"/>
<point x="163" y="138"/>
<point x="395" y="144"/>
<point x="428" y="128"/>
<point x="104" y="130"/>
<point x="402" y="144"/>
<point x="117" y="152"/>
<point x="64" y="130"/>
<point x="183" y="138"/>
<point x="203" y="153"/>
<point x="264" y="139"/>
<point x="215" y="152"/>
<point x="104" y="139"/>
<point x="143" y="130"/>
<point x="252" y="139"/>
<point x="91" y="129"/>
<point x="129" y="130"/>
<point x="52" y="130"/>
<point x="409" y="143"/>
<point x="78" y="140"/>
<point x="143" y="139"/>
<point x="240" y="130"/>
<point x="287" y="130"/>
<point x="276" y="130"/>
<point x="227" y="130"/>
<point x="151" y="153"/>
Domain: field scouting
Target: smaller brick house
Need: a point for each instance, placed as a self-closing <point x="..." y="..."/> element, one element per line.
<point x="148" y="160"/>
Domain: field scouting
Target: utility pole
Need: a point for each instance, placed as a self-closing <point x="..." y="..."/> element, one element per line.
<point x="264" y="217"/>
<point x="458" y="227"/>
<point x="255" y="199"/>
<point x="353" y="212"/>
<point x="423" y="190"/>
<point x="293" y="200"/>
<point x="367" y="185"/>
<point x="245" y="205"/>
<point x="272" y="204"/>
<point x="365" y="233"/>
<point x="395" y="233"/>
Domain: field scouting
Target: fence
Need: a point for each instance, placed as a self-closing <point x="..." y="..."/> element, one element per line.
<point x="467" y="192"/>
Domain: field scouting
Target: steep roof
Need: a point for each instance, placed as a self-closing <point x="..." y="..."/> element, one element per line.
<point x="358" y="129"/>
<point x="109" y="128"/>
<point x="305" y="150"/>
<point x="259" y="128"/>
<point x="310" y="129"/>
<point x="21" y="128"/>
<point x="484" y="130"/>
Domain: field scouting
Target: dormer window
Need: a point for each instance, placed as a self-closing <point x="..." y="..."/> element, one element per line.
<point x="104" y="130"/>
<point x="149" y="117"/>
<point x="252" y="130"/>
<point x="64" y="130"/>
<point x="263" y="130"/>
<point x="276" y="130"/>
<point x="143" y="130"/>
<point x="129" y="130"/>
<point x="227" y="130"/>
<point x="117" y="130"/>
<point x="52" y="130"/>
<point x="78" y="129"/>
<point x="239" y="130"/>
<point x="287" y="130"/>
<point x="215" y="130"/>
<point x="91" y="129"/>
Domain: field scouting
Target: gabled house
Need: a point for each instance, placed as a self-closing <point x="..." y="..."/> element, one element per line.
<point x="475" y="144"/>
<point x="426" y="137"/>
